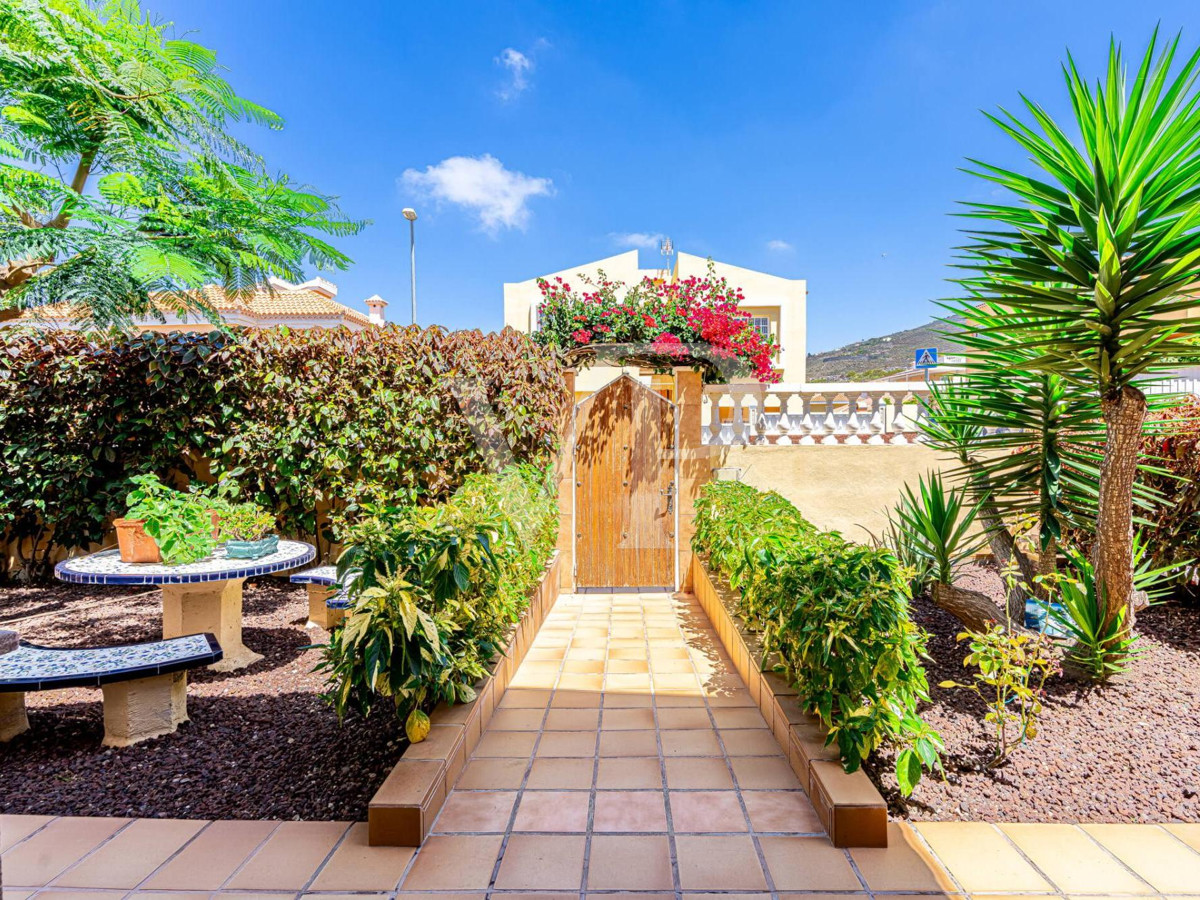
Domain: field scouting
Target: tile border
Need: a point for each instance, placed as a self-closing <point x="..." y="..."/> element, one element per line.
<point x="848" y="804"/>
<point x="402" y="811"/>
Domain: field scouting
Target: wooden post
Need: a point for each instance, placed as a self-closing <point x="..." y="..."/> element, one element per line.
<point x="566" y="490"/>
<point x="695" y="467"/>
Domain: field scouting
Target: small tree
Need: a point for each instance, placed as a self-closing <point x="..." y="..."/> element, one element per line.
<point x="1093" y="261"/>
<point x="121" y="189"/>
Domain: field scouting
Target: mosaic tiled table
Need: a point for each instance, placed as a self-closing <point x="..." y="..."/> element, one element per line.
<point x="327" y="601"/>
<point x="198" y="597"/>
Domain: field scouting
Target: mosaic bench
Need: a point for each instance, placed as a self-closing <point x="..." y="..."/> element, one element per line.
<point x="327" y="603"/>
<point x="144" y="685"/>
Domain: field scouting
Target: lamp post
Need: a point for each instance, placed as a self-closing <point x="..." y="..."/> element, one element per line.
<point x="411" y="215"/>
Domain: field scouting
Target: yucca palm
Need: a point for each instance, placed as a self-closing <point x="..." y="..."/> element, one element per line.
<point x="1091" y="266"/>
<point x="119" y="179"/>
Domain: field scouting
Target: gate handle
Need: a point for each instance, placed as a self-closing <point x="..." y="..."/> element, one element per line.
<point x="670" y="492"/>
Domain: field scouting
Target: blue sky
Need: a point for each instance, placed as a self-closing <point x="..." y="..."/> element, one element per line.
<point x="816" y="141"/>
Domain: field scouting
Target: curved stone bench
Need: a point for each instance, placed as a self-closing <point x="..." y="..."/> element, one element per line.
<point x="144" y="685"/>
<point x="327" y="602"/>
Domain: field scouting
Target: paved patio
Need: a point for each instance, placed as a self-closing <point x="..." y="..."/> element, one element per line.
<point x="625" y="757"/>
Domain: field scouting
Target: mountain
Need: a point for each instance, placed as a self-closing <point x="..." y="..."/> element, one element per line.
<point x="878" y="356"/>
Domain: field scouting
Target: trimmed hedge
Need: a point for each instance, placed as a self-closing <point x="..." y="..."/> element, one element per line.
<point x="308" y="423"/>
<point x="835" y="613"/>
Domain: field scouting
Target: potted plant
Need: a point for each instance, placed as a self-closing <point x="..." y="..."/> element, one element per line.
<point x="164" y="525"/>
<point x="246" y="529"/>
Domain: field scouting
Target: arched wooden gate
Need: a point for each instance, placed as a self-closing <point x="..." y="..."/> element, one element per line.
<point x="626" y="515"/>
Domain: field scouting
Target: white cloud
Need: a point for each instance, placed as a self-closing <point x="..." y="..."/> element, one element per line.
<point x="780" y="246"/>
<point x="498" y="196"/>
<point x="519" y="66"/>
<point x="642" y="240"/>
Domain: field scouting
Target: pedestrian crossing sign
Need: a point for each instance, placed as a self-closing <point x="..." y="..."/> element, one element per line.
<point x="927" y="358"/>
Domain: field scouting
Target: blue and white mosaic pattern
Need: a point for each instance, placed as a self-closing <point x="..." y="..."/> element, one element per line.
<point x="106" y="567"/>
<point x="316" y="575"/>
<point x="34" y="668"/>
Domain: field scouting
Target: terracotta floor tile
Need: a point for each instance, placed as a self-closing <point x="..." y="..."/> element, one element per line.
<point x="628" y="683"/>
<point x="571" y="699"/>
<point x="690" y="743"/>
<point x="213" y="855"/>
<point x="552" y="811"/>
<point x="633" y="700"/>
<point x="677" y="682"/>
<point x="727" y="863"/>
<point x="559" y="773"/>
<point x="781" y="811"/>
<point x="627" y="653"/>
<point x="524" y="698"/>
<point x="1073" y="861"/>
<point x="630" y="772"/>
<point x="505" y="744"/>
<point x="642" y="811"/>
<point x="668" y="700"/>
<point x="590" y="653"/>
<point x="493" y="774"/>
<point x="808" y="864"/>
<point x="40" y="859"/>
<point x="570" y="682"/>
<point x="405" y="895"/>
<point x="750" y="741"/>
<point x="289" y="858"/>
<point x="698" y="773"/>
<point x="739" y="718"/>
<point x="707" y="811"/>
<point x="14" y="829"/>
<point x="355" y="866"/>
<point x="628" y="667"/>
<point x="980" y="858"/>
<point x="904" y="865"/>
<point x="479" y="811"/>
<point x="721" y="696"/>
<point x="764" y="773"/>
<point x="575" y="666"/>
<point x="517" y="720"/>
<point x="127" y="859"/>
<point x="685" y="718"/>
<point x="627" y="719"/>
<point x="542" y="862"/>
<point x="567" y="743"/>
<point x="1155" y="854"/>
<point x="1189" y="833"/>
<point x="573" y="720"/>
<point x="455" y="862"/>
<point x="628" y="863"/>
<point x="628" y="743"/>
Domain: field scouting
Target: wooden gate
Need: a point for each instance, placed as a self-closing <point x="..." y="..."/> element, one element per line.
<point x="625" y="468"/>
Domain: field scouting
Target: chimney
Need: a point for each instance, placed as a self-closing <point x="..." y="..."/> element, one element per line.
<point x="375" y="306"/>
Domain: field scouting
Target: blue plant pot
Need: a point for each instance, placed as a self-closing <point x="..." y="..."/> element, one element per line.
<point x="252" y="549"/>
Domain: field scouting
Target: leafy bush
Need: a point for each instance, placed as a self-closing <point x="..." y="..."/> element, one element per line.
<point x="931" y="529"/>
<point x="304" y="423"/>
<point x="1171" y="448"/>
<point x="837" y="615"/>
<point x="434" y="591"/>
<point x="179" y="521"/>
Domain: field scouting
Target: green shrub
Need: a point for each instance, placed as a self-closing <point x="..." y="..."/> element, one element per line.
<point x="434" y="591"/>
<point x="304" y="423"/>
<point x="1171" y="448"/>
<point x="179" y="521"/>
<point x="837" y="615"/>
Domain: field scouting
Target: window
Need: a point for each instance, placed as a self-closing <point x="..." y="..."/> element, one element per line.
<point x="762" y="325"/>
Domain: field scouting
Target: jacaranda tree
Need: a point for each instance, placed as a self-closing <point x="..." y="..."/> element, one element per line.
<point x="119" y="178"/>
<point x="1095" y="258"/>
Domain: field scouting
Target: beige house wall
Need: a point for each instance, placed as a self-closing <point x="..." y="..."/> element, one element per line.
<point x="847" y="489"/>
<point x="782" y="300"/>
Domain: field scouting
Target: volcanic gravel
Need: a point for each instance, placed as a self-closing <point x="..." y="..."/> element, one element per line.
<point x="261" y="742"/>
<point x="1124" y="752"/>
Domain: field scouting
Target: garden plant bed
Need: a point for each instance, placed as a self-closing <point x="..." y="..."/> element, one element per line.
<point x="1126" y="752"/>
<point x="261" y="742"/>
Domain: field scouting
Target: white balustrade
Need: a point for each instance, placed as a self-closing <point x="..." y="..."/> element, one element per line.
<point x="843" y="414"/>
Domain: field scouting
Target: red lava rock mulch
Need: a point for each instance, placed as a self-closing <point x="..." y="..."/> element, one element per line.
<point x="261" y="742"/>
<point x="1125" y="752"/>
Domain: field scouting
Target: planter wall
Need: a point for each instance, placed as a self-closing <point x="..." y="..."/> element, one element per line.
<point x="403" y="809"/>
<point x="851" y="809"/>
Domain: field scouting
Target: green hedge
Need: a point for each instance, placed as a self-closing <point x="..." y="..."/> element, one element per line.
<point x="435" y="591"/>
<point x="308" y="423"/>
<point x="837" y="615"/>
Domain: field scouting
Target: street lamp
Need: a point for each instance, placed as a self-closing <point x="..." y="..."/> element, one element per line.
<point x="411" y="215"/>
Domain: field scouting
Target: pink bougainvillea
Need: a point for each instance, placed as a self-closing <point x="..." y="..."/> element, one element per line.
<point x="669" y="322"/>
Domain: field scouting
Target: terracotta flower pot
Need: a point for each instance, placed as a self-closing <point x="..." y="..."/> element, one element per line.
<point x="136" y="546"/>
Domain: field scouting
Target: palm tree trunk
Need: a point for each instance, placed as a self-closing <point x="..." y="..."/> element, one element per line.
<point x="975" y="610"/>
<point x="1004" y="548"/>
<point x="1124" y="416"/>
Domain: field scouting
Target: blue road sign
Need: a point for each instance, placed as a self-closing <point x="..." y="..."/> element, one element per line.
<point x="926" y="358"/>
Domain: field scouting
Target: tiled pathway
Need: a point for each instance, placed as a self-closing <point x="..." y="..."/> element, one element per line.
<point x="625" y="757"/>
